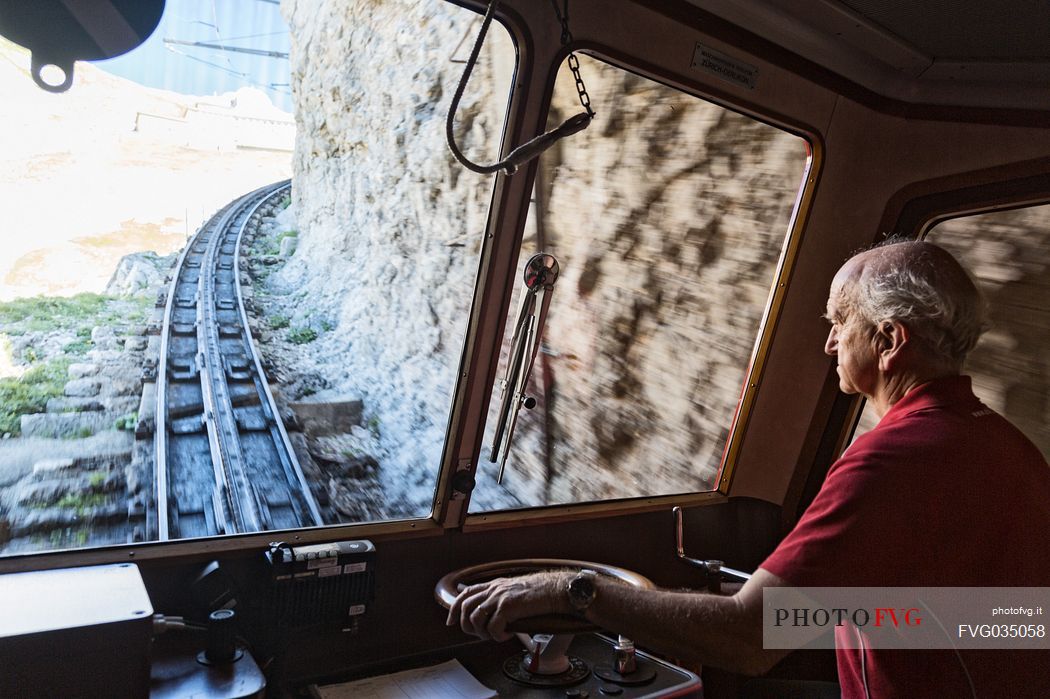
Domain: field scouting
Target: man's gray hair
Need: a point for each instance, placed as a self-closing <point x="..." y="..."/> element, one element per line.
<point x="924" y="287"/>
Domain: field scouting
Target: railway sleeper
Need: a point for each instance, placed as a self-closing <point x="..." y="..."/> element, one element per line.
<point x="230" y="330"/>
<point x="241" y="400"/>
<point x="252" y="421"/>
<point x="226" y="304"/>
<point x="186" y="410"/>
<point x="188" y="425"/>
<point x="238" y="368"/>
<point x="184" y="329"/>
<point x="185" y="302"/>
<point x="183" y="369"/>
<point x="190" y="520"/>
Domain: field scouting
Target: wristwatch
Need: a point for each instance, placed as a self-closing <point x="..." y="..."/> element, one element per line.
<point x="582" y="590"/>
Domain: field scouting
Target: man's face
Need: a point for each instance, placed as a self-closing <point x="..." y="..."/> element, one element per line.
<point x="851" y="339"/>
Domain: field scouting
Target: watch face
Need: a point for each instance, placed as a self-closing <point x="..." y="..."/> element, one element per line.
<point x="582" y="590"/>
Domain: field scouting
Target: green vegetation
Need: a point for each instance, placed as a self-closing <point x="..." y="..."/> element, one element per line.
<point x="279" y="321"/>
<point x="43" y="313"/>
<point x="78" y="347"/>
<point x="81" y="502"/>
<point x="97" y="479"/>
<point x="30" y="392"/>
<point x="327" y="325"/>
<point x="373" y="426"/>
<point x="37" y="319"/>
<point x="127" y="422"/>
<point x="302" y="336"/>
<point x="66" y="537"/>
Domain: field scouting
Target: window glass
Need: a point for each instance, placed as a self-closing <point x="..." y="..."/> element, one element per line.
<point x="357" y="281"/>
<point x="667" y="216"/>
<point x="1008" y="253"/>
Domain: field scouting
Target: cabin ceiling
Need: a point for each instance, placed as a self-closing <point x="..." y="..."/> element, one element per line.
<point x="970" y="53"/>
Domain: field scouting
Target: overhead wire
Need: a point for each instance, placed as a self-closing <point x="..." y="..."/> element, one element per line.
<point x="229" y="68"/>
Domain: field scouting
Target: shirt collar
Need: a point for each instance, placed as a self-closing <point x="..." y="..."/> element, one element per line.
<point x="946" y="392"/>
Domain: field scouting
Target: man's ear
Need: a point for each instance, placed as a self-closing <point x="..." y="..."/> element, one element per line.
<point x="892" y="338"/>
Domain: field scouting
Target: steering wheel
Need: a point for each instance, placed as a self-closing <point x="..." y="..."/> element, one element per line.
<point x="449" y="587"/>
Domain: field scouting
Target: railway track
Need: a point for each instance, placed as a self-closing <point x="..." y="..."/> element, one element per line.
<point x="224" y="464"/>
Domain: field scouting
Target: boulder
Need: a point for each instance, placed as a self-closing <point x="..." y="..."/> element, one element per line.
<point x="64" y="425"/>
<point x="82" y="388"/>
<point x="288" y="246"/>
<point x="328" y="418"/>
<point x="50" y="466"/>
<point x="81" y="370"/>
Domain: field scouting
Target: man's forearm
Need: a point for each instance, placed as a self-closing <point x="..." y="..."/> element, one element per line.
<point x="712" y="629"/>
<point x="721" y="631"/>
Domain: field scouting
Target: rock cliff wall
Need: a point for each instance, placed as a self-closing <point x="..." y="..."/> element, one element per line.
<point x="389" y="225"/>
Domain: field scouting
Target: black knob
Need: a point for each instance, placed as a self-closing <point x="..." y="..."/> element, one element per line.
<point x="463" y="482"/>
<point x="222" y="640"/>
<point x="528" y="402"/>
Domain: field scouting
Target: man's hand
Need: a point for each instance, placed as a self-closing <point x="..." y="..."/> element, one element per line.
<point x="485" y="609"/>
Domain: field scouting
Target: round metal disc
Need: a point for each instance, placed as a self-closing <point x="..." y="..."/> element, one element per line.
<point x="514" y="667"/>
<point x="643" y="675"/>
<point x="541" y="271"/>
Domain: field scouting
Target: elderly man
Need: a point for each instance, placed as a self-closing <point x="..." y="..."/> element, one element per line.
<point x="943" y="492"/>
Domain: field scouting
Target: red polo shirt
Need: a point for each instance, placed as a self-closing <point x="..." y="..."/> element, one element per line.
<point x="944" y="492"/>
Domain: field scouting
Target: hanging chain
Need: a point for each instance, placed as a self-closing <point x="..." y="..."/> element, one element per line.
<point x="574" y="62"/>
<point x="532" y="148"/>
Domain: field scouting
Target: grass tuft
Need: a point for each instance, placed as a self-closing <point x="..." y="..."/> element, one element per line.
<point x="302" y="336"/>
<point x="30" y="392"/>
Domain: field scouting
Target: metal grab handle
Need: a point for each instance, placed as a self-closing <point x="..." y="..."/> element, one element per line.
<point x="712" y="567"/>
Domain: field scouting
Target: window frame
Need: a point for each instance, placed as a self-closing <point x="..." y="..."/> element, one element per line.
<point x="480" y="521"/>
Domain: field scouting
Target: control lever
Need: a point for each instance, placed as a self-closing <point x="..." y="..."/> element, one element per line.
<point x="623" y="655"/>
<point x="541" y="271"/>
<point x="716" y="571"/>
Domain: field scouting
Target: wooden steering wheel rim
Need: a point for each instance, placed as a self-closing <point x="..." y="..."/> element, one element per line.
<point x="448" y="587"/>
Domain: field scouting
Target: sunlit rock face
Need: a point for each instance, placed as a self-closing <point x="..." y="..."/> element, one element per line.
<point x="668" y="216"/>
<point x="389" y="225"/>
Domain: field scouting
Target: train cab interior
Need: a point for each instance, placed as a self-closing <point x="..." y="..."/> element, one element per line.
<point x="604" y="345"/>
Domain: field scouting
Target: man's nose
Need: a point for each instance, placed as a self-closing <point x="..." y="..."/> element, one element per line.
<point x="832" y="343"/>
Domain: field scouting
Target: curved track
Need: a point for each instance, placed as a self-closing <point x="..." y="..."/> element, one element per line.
<point x="223" y="460"/>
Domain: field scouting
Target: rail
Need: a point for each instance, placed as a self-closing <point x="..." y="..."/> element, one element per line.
<point x="224" y="461"/>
